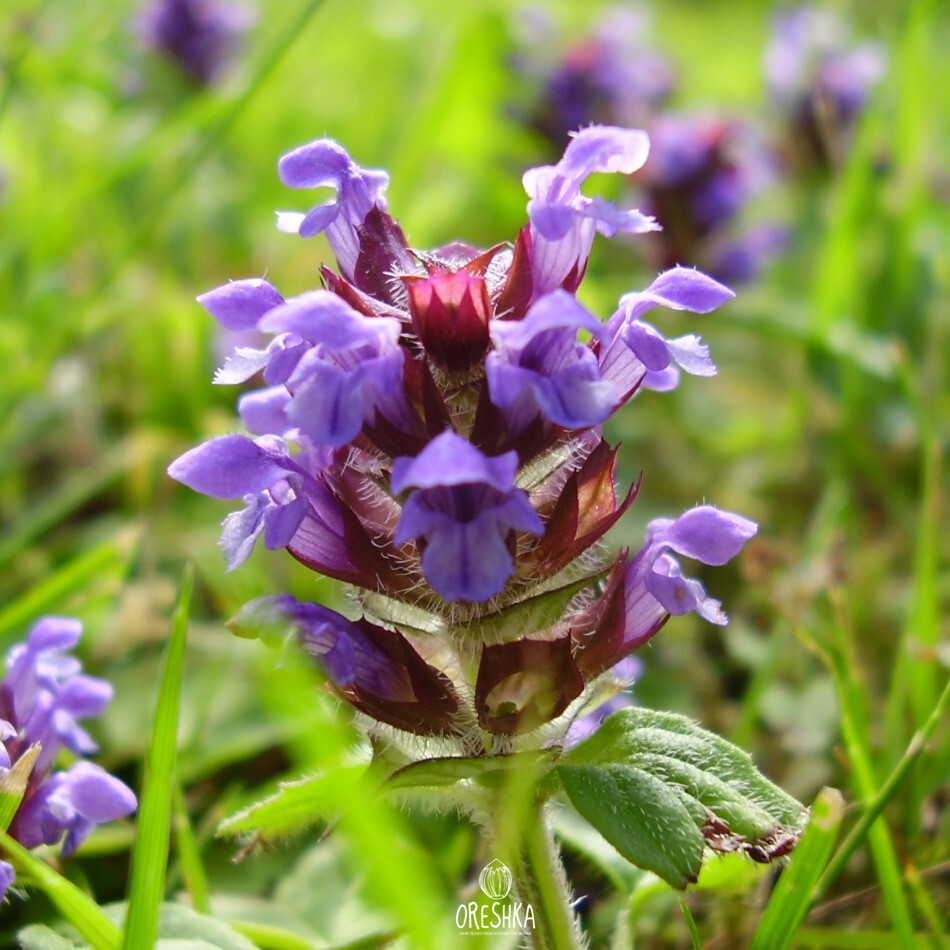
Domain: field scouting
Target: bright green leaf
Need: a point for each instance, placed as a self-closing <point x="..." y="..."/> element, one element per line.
<point x="647" y="821"/>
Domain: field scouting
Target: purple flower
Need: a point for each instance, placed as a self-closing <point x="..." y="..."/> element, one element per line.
<point x="240" y="304"/>
<point x="612" y="76"/>
<point x="638" y="355"/>
<point x="563" y="221"/>
<point x="42" y="698"/>
<point x="376" y="669"/>
<point x="323" y="164"/>
<point x="702" y="172"/>
<point x="429" y="433"/>
<point x="263" y="474"/>
<point x="538" y="366"/>
<point x="465" y="505"/>
<point x="820" y="79"/>
<point x="347" y="367"/>
<point x="647" y="589"/>
<point x="201" y="36"/>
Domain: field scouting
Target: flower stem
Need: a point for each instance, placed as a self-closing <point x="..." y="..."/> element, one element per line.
<point x="541" y="882"/>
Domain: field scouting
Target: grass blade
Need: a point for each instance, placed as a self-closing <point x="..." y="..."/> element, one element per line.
<point x="75" y="905"/>
<point x="793" y="895"/>
<point x="107" y="560"/>
<point x="150" y="855"/>
<point x="887" y="791"/>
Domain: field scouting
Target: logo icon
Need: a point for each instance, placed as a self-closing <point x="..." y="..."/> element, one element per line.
<point x="495" y="880"/>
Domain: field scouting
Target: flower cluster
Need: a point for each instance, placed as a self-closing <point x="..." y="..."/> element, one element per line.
<point x="820" y="81"/>
<point x="42" y="699"/>
<point x="429" y="432"/>
<point x="200" y="36"/>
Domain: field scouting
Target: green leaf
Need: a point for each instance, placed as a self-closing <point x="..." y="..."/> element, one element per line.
<point x="646" y="778"/>
<point x="13" y="785"/>
<point x="533" y="613"/>
<point x="450" y="770"/>
<point x="150" y="855"/>
<point x="75" y="905"/>
<point x="792" y="896"/>
<point x="647" y="821"/>
<point x="297" y="805"/>
<point x="41" y="937"/>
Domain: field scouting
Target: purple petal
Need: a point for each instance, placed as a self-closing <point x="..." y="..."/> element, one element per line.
<point x="314" y="165"/>
<point x="240" y="304"/>
<point x="264" y="412"/>
<point x="684" y="288"/>
<point x="647" y="344"/>
<point x="607" y="149"/>
<point x="229" y="466"/>
<point x="84" y="696"/>
<point x="468" y="561"/>
<point x="241" y="530"/>
<point x="679" y="595"/>
<point x="451" y="460"/>
<point x="329" y="407"/>
<point x="324" y="318"/>
<point x="95" y="794"/>
<point x="54" y="633"/>
<point x="704" y="533"/>
<point x="318" y="219"/>
<point x="282" y="521"/>
<point x="7" y="877"/>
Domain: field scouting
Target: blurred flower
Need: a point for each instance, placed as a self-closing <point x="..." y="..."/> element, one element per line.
<point x="200" y="36"/>
<point x="820" y="80"/>
<point x="611" y="76"/>
<point x="429" y="432"/>
<point x="703" y="172"/>
<point x="42" y="698"/>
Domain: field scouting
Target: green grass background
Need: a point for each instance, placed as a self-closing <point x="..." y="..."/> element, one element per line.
<point x="126" y="194"/>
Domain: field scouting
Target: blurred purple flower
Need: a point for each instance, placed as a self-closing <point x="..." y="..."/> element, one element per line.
<point x="701" y="175"/>
<point x="612" y="76"/>
<point x="820" y="80"/>
<point x="200" y="36"/>
<point x="42" y="698"/>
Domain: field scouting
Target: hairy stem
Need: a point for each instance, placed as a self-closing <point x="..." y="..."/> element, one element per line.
<point x="542" y="883"/>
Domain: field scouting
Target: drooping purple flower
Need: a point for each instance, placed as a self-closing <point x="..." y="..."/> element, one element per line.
<point x="648" y="588"/>
<point x="537" y="366"/>
<point x="200" y="36"/>
<point x="42" y="698"/>
<point x="563" y="221"/>
<point x="464" y="506"/>
<point x="377" y="670"/>
<point x="324" y="164"/>
<point x="263" y="474"/>
<point x="636" y="353"/>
